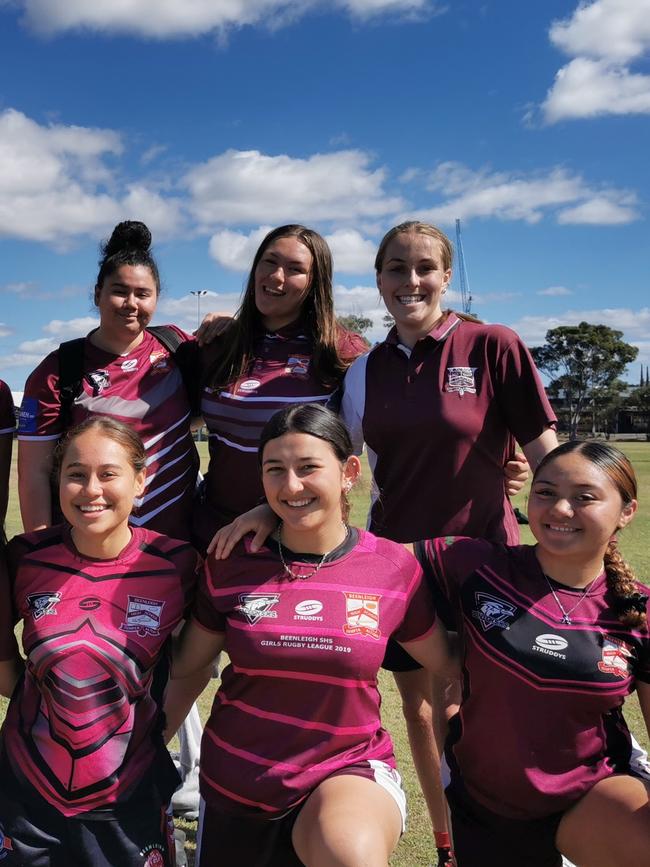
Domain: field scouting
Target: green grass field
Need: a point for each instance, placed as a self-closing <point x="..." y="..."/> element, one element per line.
<point x="416" y="847"/>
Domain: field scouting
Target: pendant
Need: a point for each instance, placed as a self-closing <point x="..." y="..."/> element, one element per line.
<point x="566" y="619"/>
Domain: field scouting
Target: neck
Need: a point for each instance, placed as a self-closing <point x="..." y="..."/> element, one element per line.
<point x="115" y="344"/>
<point x="317" y="541"/>
<point x="102" y="548"/>
<point x="410" y="336"/>
<point x="271" y="324"/>
<point x="575" y="574"/>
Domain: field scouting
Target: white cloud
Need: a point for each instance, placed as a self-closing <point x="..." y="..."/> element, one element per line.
<point x="5" y="330"/>
<point x="589" y="88"/>
<point x="55" y="182"/>
<point x="251" y="187"/>
<point x="555" y="291"/>
<point x="184" y="311"/>
<point x="616" y="29"/>
<point x="635" y="324"/>
<point x="236" y="250"/>
<point x="168" y="19"/>
<point x="528" y="197"/>
<point x="352" y="253"/>
<point x="603" y="38"/>
<point x="66" y="329"/>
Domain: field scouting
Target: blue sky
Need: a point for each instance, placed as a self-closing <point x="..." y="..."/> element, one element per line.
<point x="213" y="120"/>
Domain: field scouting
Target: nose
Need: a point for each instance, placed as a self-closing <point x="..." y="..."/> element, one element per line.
<point x="412" y="278"/>
<point x="562" y="506"/>
<point x="93" y="486"/>
<point x="277" y="273"/>
<point x="293" y="483"/>
<point x="130" y="301"/>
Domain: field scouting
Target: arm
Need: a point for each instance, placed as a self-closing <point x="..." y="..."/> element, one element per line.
<point x="261" y="520"/>
<point x="180" y="695"/>
<point x="538" y="448"/>
<point x="10" y="672"/>
<point x="437" y="651"/>
<point x="6" y="443"/>
<point x="34" y="473"/>
<point x="196" y="649"/>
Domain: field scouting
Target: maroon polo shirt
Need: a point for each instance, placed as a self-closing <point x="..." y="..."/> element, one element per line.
<point x="439" y="422"/>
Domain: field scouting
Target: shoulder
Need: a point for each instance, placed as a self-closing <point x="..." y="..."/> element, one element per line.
<point x="38" y="540"/>
<point x="44" y="370"/>
<point x="178" y="333"/>
<point x="393" y="552"/>
<point x="498" y="335"/>
<point x="460" y="553"/>
<point x="166" y="547"/>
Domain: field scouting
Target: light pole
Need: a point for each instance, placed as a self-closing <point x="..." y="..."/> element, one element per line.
<point x="199" y="294"/>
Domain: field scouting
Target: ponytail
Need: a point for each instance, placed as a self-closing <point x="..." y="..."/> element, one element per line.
<point x="629" y="603"/>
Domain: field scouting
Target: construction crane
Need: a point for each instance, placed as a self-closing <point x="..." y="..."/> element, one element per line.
<point x="465" y="293"/>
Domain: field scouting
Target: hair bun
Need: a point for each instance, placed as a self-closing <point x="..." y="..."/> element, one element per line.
<point x="128" y="235"/>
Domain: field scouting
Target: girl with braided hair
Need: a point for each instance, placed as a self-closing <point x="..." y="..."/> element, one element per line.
<point x="554" y="637"/>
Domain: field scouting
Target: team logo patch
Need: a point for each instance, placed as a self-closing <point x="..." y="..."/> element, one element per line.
<point x="90" y="603"/>
<point x="143" y="616"/>
<point x="461" y="380"/>
<point x="615" y="657"/>
<point x="157" y="356"/>
<point x="41" y="604"/>
<point x="255" y="606"/>
<point x="491" y="611"/>
<point x="155" y="857"/>
<point x="6" y="846"/>
<point x="298" y="365"/>
<point x="249" y="385"/>
<point x="129" y="365"/>
<point x="28" y="415"/>
<point x="362" y="614"/>
<point x="98" y="380"/>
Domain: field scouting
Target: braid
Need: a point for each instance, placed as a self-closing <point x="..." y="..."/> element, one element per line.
<point x="628" y="602"/>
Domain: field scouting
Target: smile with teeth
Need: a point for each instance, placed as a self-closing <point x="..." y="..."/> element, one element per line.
<point x="562" y="528"/>
<point x="410" y="299"/>
<point x="269" y="290"/>
<point x="93" y="508"/>
<point x="298" y="504"/>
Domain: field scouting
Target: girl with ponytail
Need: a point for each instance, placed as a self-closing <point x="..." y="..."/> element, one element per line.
<point x="554" y="638"/>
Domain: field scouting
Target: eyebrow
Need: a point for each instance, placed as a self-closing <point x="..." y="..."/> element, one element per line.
<point x="102" y="467"/>
<point x="279" y="460"/>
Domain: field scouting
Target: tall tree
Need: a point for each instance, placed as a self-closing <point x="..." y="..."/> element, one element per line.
<point x="640" y="398"/>
<point x="583" y="361"/>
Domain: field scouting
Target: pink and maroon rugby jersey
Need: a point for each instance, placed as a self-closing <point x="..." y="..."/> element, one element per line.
<point x="439" y="422"/>
<point x="84" y="726"/>
<point x="7" y="414"/>
<point x="540" y="720"/>
<point x="145" y="390"/>
<point x="299" y="700"/>
<point x="281" y="373"/>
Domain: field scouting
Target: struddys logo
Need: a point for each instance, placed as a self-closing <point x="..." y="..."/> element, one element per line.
<point x="362" y="614"/>
<point x="6" y="846"/>
<point x="41" y="604"/>
<point x="616" y="656"/>
<point x="461" y="380"/>
<point x="143" y="616"/>
<point x="99" y="381"/>
<point x="298" y="365"/>
<point x="256" y="606"/>
<point x="493" y="612"/>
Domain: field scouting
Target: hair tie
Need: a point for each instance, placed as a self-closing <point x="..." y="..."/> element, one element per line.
<point x="636" y="601"/>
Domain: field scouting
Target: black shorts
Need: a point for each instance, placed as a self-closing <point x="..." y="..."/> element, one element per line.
<point x="37" y="835"/>
<point x="482" y="838"/>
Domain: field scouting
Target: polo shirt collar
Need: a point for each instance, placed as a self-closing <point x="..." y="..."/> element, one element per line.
<point x="438" y="333"/>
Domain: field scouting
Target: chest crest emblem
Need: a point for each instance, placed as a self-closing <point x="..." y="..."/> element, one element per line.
<point x="461" y="380"/>
<point x="616" y="656"/>
<point x="362" y="614"/>
<point x="41" y="604"/>
<point x="255" y="606"/>
<point x="143" y="616"/>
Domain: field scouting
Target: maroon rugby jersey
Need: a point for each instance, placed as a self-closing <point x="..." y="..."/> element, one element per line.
<point x="540" y="720"/>
<point x="439" y="422"/>
<point x="84" y="727"/>
<point x="7" y="414"/>
<point x="281" y="373"/>
<point x="144" y="389"/>
<point x="299" y="700"/>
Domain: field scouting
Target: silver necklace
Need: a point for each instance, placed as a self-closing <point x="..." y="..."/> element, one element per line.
<point x="303" y="576"/>
<point x="566" y="615"/>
